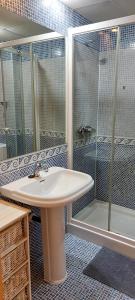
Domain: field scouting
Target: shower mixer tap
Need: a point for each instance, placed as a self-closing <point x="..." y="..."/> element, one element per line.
<point x="85" y="129"/>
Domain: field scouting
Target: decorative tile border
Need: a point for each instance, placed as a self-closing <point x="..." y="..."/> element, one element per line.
<point x="25" y="160"/>
<point x="9" y="165"/>
<point x="84" y="142"/>
<point x="29" y="131"/>
<point x="11" y="131"/>
<point x="51" y="133"/>
<point x="104" y="139"/>
<point x="117" y="140"/>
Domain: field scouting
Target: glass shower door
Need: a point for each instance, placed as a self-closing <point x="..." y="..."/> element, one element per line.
<point x="95" y="66"/>
<point x="85" y="122"/>
<point x="85" y="106"/>
<point x="122" y="219"/>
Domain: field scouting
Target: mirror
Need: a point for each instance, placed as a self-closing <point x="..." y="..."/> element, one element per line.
<point x="32" y="88"/>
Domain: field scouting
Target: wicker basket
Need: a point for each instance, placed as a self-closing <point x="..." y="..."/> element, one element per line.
<point x="16" y="282"/>
<point x="22" y="296"/>
<point x="13" y="260"/>
<point x="10" y="236"/>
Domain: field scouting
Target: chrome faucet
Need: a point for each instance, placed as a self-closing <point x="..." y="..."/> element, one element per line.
<point x="37" y="169"/>
<point x="40" y="166"/>
<point x="85" y="129"/>
<point x="45" y="166"/>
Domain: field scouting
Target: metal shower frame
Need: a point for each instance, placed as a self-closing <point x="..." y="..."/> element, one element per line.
<point x="122" y="244"/>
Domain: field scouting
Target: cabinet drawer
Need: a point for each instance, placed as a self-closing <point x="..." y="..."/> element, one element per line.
<point x="11" y="236"/>
<point x="16" y="283"/>
<point x="23" y="295"/>
<point x="13" y="260"/>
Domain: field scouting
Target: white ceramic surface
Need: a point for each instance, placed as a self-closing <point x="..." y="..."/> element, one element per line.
<point x="51" y="192"/>
<point x="57" y="187"/>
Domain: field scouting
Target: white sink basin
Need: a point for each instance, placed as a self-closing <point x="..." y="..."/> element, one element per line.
<point x="57" y="187"/>
<point x="51" y="193"/>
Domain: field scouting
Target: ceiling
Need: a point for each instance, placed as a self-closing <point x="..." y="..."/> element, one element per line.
<point x="100" y="10"/>
<point x="13" y="27"/>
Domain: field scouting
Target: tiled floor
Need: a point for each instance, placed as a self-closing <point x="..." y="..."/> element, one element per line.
<point x="77" y="286"/>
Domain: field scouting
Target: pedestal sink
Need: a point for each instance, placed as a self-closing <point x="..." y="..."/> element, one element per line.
<point x="51" y="192"/>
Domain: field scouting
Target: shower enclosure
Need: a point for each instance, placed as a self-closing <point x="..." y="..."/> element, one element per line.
<point x="32" y="94"/>
<point x="101" y="138"/>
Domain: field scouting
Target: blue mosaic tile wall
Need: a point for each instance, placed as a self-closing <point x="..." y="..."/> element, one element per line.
<point x="108" y="39"/>
<point x="18" y="144"/>
<point x="123" y="174"/>
<point x="96" y="161"/>
<point x="50" y="141"/>
<point x="15" y="168"/>
<point x="84" y="163"/>
<point x="57" y="16"/>
<point x="45" y="49"/>
<point x="19" y="167"/>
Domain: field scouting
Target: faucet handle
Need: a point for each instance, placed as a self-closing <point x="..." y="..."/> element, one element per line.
<point x="37" y="168"/>
<point x="44" y="165"/>
<point x="38" y="164"/>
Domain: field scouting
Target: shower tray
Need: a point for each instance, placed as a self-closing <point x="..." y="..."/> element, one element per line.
<point x="96" y="214"/>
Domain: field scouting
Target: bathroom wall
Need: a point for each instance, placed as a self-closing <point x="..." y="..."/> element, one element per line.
<point x="125" y="89"/>
<point x="125" y="121"/>
<point x="123" y="188"/>
<point x="56" y="16"/>
<point x="24" y="165"/>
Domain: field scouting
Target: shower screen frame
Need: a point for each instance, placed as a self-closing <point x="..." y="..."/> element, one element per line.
<point x="119" y="243"/>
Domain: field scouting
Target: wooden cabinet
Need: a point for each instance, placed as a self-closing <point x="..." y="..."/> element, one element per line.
<point x="15" y="280"/>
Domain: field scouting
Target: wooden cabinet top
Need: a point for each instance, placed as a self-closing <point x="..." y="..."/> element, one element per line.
<point x="10" y="213"/>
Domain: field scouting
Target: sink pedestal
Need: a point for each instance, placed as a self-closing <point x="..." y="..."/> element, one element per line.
<point x="53" y="233"/>
<point x="51" y="192"/>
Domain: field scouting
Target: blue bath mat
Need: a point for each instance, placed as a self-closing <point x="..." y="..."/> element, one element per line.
<point x="114" y="270"/>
